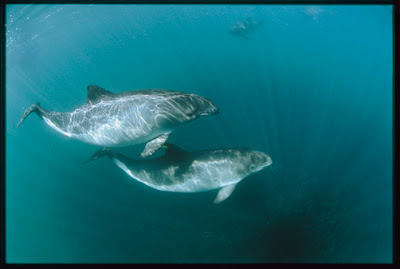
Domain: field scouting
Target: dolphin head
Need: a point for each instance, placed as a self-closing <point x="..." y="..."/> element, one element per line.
<point x="205" y="107"/>
<point x="252" y="161"/>
<point x="180" y="108"/>
<point x="258" y="160"/>
<point x="195" y="106"/>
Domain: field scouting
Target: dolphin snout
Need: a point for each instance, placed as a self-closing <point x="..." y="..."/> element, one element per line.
<point x="214" y="109"/>
<point x="266" y="160"/>
<point x="269" y="161"/>
<point x="209" y="109"/>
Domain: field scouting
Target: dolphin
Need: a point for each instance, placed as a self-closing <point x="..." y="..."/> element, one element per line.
<point x="243" y="28"/>
<point x="182" y="171"/>
<point x="122" y="119"/>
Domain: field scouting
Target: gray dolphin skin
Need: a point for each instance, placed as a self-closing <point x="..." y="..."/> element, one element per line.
<point x="182" y="171"/>
<point x="122" y="119"/>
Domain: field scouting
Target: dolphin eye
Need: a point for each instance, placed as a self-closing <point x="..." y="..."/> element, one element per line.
<point x="252" y="167"/>
<point x="191" y="113"/>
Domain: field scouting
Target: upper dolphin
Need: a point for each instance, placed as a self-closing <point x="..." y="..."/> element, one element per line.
<point x="182" y="171"/>
<point x="128" y="118"/>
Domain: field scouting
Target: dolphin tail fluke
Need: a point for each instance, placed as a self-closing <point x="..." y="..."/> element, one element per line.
<point x="33" y="108"/>
<point x="100" y="153"/>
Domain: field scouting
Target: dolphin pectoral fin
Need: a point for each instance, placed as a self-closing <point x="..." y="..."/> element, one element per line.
<point x="154" y="145"/>
<point x="224" y="193"/>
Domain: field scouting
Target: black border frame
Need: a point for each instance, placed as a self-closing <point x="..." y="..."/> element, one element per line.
<point x="396" y="116"/>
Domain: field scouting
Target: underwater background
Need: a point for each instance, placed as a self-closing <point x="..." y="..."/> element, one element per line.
<point x="311" y="86"/>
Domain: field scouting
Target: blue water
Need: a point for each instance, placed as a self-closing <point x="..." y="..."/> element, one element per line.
<point x="310" y="86"/>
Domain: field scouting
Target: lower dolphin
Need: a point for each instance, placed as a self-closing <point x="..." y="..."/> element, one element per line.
<point x="182" y="171"/>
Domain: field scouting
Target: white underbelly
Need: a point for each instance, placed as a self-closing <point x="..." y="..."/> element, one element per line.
<point x="198" y="181"/>
<point x="196" y="185"/>
<point x="114" y="139"/>
<point x="111" y="135"/>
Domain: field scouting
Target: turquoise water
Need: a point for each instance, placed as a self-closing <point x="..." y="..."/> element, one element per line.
<point x="310" y="86"/>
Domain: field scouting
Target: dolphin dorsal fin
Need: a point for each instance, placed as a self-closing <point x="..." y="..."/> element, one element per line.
<point x="95" y="94"/>
<point x="173" y="152"/>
